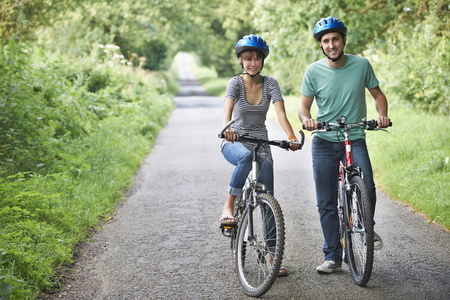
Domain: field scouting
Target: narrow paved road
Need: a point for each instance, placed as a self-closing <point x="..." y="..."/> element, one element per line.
<point x="164" y="242"/>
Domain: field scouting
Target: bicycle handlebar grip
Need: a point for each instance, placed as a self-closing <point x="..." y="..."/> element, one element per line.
<point x="284" y="144"/>
<point x="319" y="126"/>
<point x="221" y="135"/>
<point x="376" y="123"/>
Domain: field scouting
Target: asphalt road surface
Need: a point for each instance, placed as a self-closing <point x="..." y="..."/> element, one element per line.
<point x="165" y="243"/>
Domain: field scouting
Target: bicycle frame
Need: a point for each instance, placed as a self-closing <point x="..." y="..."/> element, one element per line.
<point x="252" y="185"/>
<point x="346" y="171"/>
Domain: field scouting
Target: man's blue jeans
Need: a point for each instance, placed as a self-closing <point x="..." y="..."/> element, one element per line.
<point x="326" y="156"/>
<point x="236" y="154"/>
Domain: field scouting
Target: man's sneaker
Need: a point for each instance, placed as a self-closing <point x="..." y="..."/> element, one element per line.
<point x="377" y="241"/>
<point x="329" y="266"/>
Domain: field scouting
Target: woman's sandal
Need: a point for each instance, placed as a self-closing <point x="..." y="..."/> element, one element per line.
<point x="228" y="220"/>
<point x="282" y="272"/>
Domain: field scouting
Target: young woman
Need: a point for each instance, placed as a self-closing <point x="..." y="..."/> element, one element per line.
<point x="247" y="101"/>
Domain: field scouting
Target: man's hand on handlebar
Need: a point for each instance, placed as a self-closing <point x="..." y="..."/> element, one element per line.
<point x="383" y="122"/>
<point x="310" y="124"/>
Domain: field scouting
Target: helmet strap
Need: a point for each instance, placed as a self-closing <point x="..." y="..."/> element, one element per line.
<point x="336" y="59"/>
<point x="252" y="76"/>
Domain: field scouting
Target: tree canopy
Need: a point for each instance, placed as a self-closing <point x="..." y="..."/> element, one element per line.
<point x="407" y="41"/>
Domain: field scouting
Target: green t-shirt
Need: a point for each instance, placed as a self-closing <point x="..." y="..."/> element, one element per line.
<point x="340" y="92"/>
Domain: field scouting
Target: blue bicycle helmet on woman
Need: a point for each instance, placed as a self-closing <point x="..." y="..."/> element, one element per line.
<point x="252" y="42"/>
<point x="327" y="25"/>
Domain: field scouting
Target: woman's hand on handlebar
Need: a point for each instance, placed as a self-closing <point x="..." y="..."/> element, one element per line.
<point x="293" y="147"/>
<point x="310" y="124"/>
<point x="229" y="135"/>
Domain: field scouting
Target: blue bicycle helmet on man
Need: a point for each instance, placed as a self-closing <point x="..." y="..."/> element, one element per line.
<point x="327" y="25"/>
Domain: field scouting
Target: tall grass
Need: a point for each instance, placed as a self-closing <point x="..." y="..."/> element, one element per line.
<point x="412" y="162"/>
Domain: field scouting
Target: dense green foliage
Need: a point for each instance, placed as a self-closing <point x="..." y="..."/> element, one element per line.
<point x="72" y="133"/>
<point x="20" y="18"/>
<point x="406" y="42"/>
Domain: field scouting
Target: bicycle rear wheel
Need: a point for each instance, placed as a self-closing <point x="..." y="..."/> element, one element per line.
<point x="359" y="238"/>
<point x="258" y="259"/>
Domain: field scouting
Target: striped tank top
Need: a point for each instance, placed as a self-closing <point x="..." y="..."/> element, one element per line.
<point x="249" y="118"/>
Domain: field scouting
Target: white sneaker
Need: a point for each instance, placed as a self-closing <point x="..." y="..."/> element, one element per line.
<point x="329" y="266"/>
<point x="377" y="241"/>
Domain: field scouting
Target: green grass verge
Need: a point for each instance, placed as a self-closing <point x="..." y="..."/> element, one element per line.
<point x="411" y="164"/>
<point x="47" y="208"/>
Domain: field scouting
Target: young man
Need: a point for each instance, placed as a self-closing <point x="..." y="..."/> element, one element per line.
<point x="338" y="83"/>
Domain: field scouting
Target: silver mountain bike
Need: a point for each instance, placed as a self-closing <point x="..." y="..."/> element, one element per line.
<point x="257" y="240"/>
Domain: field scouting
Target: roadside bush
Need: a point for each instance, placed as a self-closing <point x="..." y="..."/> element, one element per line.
<point x="72" y="133"/>
<point x="420" y="77"/>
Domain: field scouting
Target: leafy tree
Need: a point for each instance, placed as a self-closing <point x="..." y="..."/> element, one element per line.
<point x="21" y="17"/>
<point x="406" y="42"/>
<point x="221" y="24"/>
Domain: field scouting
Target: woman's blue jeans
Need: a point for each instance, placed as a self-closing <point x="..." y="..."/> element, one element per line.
<point x="236" y="154"/>
<point x="326" y="157"/>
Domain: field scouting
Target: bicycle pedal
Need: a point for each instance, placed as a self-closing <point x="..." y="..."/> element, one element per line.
<point x="227" y="232"/>
<point x="228" y="226"/>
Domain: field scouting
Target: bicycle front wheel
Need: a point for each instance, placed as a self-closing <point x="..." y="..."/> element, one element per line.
<point x="341" y="214"/>
<point x="259" y="256"/>
<point x="359" y="237"/>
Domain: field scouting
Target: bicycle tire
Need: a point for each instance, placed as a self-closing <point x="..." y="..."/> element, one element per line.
<point x="238" y="210"/>
<point x="341" y="213"/>
<point x="255" y="272"/>
<point x="359" y="237"/>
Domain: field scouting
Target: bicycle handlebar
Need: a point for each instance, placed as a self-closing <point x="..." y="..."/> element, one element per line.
<point x="248" y="137"/>
<point x="328" y="126"/>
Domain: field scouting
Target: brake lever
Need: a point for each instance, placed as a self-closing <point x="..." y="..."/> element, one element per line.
<point x="382" y="129"/>
<point x="221" y="135"/>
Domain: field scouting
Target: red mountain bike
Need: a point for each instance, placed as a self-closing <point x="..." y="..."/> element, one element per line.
<point x="355" y="211"/>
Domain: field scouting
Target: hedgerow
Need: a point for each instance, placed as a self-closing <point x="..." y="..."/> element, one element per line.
<point x="72" y="133"/>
